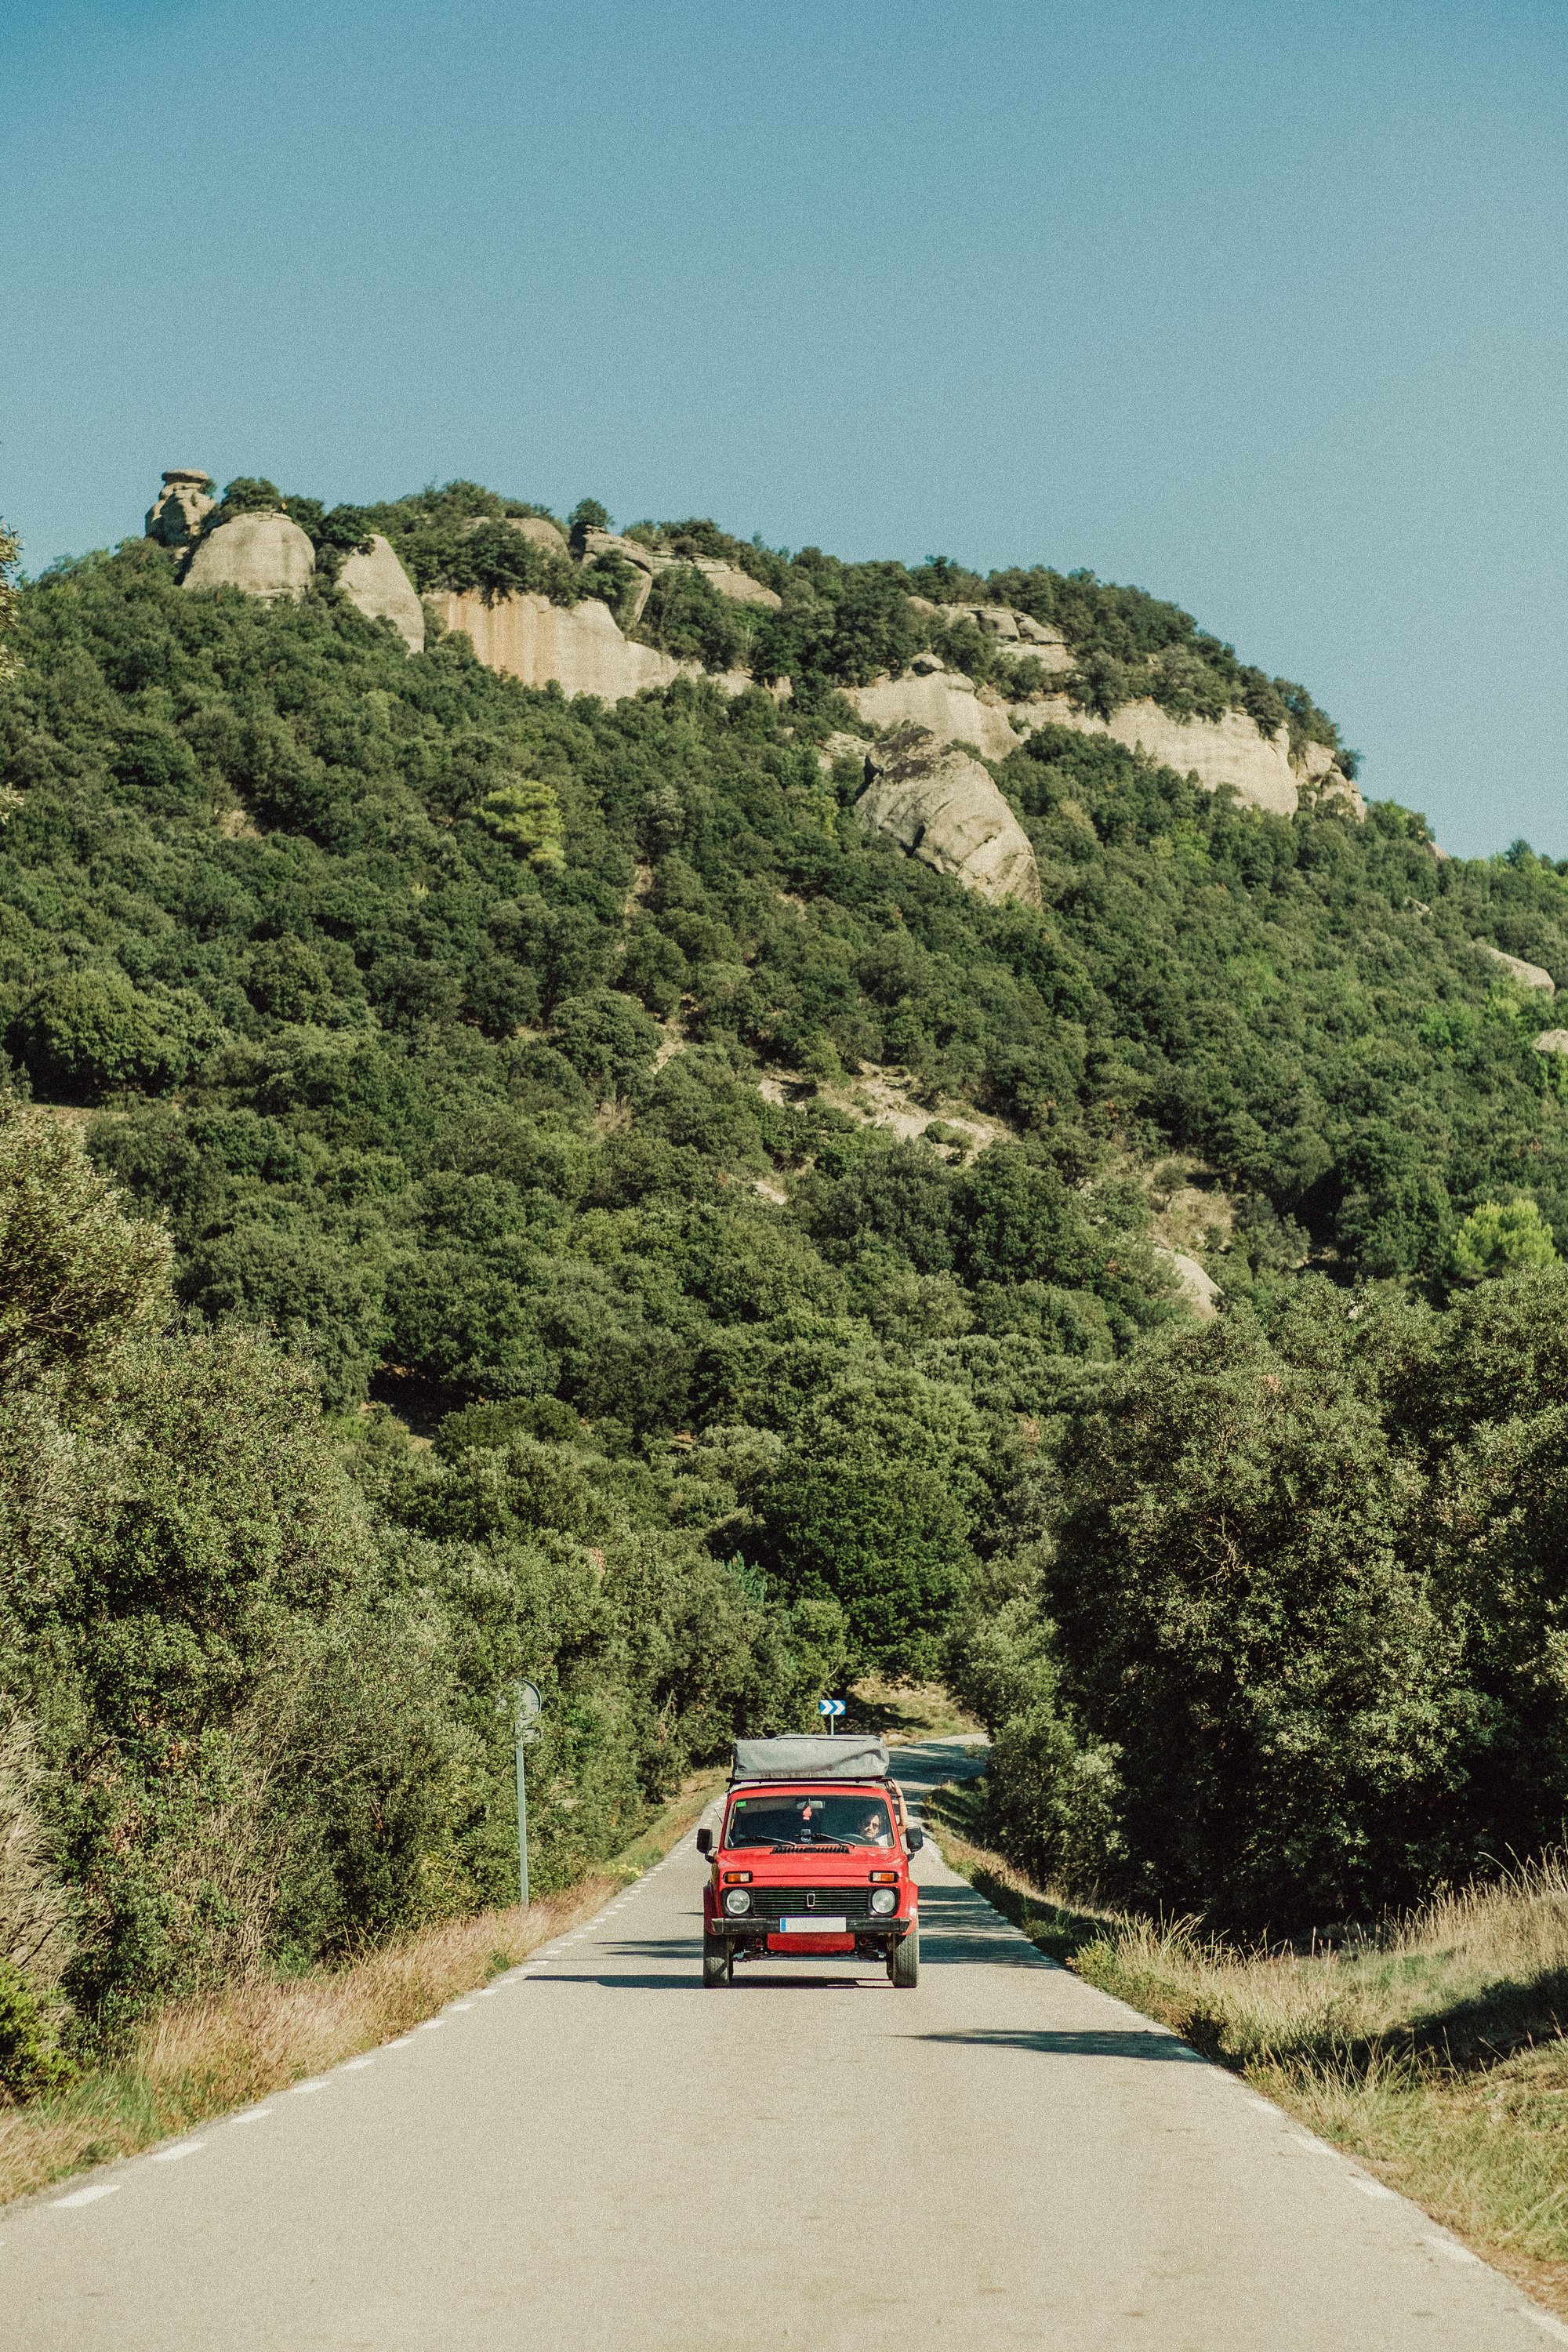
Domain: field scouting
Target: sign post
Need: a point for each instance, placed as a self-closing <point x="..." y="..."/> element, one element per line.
<point x="527" y="1703"/>
<point x="832" y="1708"/>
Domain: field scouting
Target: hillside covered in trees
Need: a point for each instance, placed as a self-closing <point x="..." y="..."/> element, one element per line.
<point x="444" y="1242"/>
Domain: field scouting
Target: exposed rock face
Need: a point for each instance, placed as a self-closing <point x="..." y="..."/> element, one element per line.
<point x="1228" y="751"/>
<point x="174" y="517"/>
<point x="578" y="645"/>
<point x="727" y="578"/>
<point x="1552" y="1041"/>
<point x="541" y="531"/>
<point x="941" y="806"/>
<point x="630" y="551"/>
<point x="944" y="701"/>
<point x="265" y="554"/>
<point x="379" y="585"/>
<point x="1529" y="975"/>
<point x="1198" y="1288"/>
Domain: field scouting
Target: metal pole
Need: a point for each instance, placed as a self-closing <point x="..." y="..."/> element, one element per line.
<point x="521" y="1822"/>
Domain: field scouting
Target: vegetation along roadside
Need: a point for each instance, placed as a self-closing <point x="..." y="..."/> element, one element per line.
<point x="199" y="2059"/>
<point x="1431" y="2049"/>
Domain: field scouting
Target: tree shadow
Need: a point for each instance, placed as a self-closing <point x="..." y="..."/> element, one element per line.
<point x="1059" y="2042"/>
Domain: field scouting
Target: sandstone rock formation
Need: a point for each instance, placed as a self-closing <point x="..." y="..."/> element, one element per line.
<point x="727" y="578"/>
<point x="942" y="807"/>
<point x="379" y="585"/>
<point x="265" y="554"/>
<point x="578" y="645"/>
<point x="1529" y="975"/>
<point x="1228" y="751"/>
<point x="944" y="701"/>
<point x="175" y="515"/>
<point x="541" y="531"/>
<point x="1198" y="1287"/>
<point x="630" y="551"/>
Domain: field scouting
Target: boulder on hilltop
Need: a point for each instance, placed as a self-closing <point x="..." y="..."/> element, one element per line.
<point x="265" y="554"/>
<point x="383" y="591"/>
<point x="940" y="804"/>
<point x="176" y="515"/>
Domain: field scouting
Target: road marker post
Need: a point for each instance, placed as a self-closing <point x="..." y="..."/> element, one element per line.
<point x="832" y="1708"/>
<point x="526" y="1704"/>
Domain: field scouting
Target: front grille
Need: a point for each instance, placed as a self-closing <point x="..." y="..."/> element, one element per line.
<point x="800" y="1902"/>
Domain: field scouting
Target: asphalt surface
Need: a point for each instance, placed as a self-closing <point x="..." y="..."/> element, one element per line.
<point x="595" y="2152"/>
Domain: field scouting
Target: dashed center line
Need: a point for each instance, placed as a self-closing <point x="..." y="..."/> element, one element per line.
<point x="182" y="2148"/>
<point x="89" y="2196"/>
<point x="352" y="2065"/>
<point x="303" y="2090"/>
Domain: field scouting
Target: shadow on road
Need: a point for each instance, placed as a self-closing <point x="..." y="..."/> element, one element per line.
<point x="1062" y="2045"/>
<point x="959" y="1928"/>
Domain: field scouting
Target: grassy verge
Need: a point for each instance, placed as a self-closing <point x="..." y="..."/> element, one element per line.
<point x="203" y="2058"/>
<point x="1432" y="2052"/>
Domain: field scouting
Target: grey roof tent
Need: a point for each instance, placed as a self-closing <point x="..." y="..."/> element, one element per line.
<point x="849" y="1758"/>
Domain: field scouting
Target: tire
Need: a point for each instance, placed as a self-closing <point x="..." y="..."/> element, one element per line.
<point x="904" y="1961"/>
<point x="718" y="1961"/>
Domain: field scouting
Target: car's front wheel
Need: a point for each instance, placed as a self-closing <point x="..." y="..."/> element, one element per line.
<point x="718" y="1961"/>
<point x="904" y="1961"/>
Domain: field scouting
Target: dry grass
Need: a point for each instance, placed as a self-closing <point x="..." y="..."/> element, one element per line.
<point x="202" y="2058"/>
<point x="1432" y="2050"/>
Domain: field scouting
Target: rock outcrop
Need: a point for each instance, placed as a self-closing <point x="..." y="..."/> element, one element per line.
<point x="941" y="806"/>
<point x="1552" y="1041"/>
<point x="265" y="554"/>
<point x="176" y="514"/>
<point x="577" y="646"/>
<point x="1198" y="1288"/>
<point x="1228" y="751"/>
<point x="727" y="578"/>
<point x="379" y="585"/>
<point x="942" y="700"/>
<point x="1529" y="975"/>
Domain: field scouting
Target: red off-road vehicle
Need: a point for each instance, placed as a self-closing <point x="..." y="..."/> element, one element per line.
<point x="811" y="1861"/>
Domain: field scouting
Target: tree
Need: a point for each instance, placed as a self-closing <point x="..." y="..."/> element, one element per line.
<point x="1498" y="1237"/>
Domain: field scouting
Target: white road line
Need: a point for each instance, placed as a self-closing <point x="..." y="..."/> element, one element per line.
<point x="1548" y="2325"/>
<point x="1451" y="2248"/>
<point x="352" y="2065"/>
<point x="253" y="2115"/>
<point x="460" y="2004"/>
<point x="402" y="2043"/>
<point x="1314" y="2147"/>
<point x="89" y="2196"/>
<point x="303" y="2090"/>
<point x="431" y="2023"/>
<point x="1370" y="2187"/>
<point x="173" y="2155"/>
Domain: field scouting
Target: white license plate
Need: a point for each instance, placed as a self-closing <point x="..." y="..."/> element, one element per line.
<point x="813" y="1927"/>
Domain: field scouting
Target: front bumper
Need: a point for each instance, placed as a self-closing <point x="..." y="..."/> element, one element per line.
<point x="870" y="1935"/>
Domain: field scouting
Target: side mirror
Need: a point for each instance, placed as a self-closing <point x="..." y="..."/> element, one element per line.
<point x="704" y="1841"/>
<point x="914" y="1839"/>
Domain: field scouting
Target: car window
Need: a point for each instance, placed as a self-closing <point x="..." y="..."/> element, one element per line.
<point x="790" y="1819"/>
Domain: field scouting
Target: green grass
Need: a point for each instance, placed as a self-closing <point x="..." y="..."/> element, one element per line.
<point x="1432" y="2050"/>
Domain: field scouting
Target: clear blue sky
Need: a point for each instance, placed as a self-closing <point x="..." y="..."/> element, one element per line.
<point x="1261" y="306"/>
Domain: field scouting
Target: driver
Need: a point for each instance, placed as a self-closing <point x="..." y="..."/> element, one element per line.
<point x="874" y="1828"/>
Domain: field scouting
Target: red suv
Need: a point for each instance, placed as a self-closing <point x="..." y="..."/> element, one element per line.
<point x="812" y="1860"/>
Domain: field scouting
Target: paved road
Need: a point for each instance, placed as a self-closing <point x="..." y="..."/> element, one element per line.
<point x="597" y="2156"/>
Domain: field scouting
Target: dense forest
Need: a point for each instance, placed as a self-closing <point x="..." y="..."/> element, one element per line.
<point x="443" y="1244"/>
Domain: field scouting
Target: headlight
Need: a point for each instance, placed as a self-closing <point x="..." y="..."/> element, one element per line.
<point x="737" y="1901"/>
<point x="884" y="1899"/>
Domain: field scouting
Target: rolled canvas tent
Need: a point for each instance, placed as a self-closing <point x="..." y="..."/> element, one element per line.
<point x="851" y="1757"/>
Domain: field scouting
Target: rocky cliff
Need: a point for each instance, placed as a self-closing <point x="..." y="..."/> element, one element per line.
<point x="940" y="804"/>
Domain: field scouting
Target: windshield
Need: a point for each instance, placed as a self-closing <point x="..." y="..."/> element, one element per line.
<point x="784" y="1819"/>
